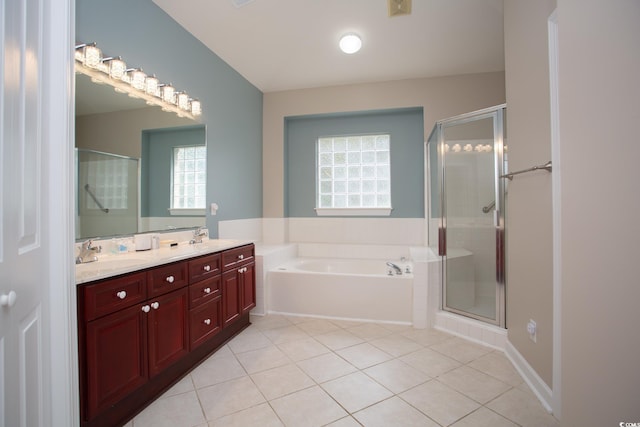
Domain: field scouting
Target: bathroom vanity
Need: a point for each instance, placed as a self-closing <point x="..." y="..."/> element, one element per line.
<point x="146" y="320"/>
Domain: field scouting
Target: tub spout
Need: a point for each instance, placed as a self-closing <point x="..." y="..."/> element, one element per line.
<point x="397" y="269"/>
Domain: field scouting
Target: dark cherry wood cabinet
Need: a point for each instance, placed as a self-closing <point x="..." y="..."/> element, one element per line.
<point x="139" y="333"/>
<point x="116" y="358"/>
<point x="238" y="283"/>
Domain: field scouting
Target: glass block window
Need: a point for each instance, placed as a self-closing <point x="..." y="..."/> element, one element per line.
<point x="188" y="187"/>
<point x="353" y="172"/>
<point x="107" y="180"/>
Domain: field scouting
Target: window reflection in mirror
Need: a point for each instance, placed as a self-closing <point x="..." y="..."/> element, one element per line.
<point x="113" y="123"/>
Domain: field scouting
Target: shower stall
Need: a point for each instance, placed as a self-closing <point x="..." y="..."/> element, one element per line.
<point x="466" y="159"/>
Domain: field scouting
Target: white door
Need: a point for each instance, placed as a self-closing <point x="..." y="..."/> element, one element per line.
<point x="29" y="351"/>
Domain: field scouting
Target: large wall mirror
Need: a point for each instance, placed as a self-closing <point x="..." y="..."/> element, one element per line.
<point x="130" y="161"/>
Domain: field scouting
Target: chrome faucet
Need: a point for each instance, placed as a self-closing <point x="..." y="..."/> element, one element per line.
<point x="198" y="234"/>
<point x="397" y="269"/>
<point x="88" y="252"/>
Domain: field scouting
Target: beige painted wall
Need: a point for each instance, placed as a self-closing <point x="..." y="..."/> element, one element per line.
<point x="529" y="209"/>
<point x="120" y="132"/>
<point x="440" y="97"/>
<point x="600" y="185"/>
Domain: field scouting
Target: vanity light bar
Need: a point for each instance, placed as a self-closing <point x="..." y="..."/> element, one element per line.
<point x="133" y="81"/>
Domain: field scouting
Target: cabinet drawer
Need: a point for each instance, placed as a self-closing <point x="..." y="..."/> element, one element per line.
<point x="203" y="291"/>
<point x="205" y="321"/>
<point x="112" y="295"/>
<point x="235" y="257"/>
<point x="167" y="278"/>
<point x="203" y="267"/>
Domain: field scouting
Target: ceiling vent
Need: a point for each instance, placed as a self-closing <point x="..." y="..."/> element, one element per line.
<point x="240" y="3"/>
<point x="399" y="7"/>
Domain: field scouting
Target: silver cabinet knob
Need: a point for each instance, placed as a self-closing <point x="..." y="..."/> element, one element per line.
<point x="207" y="322"/>
<point x="146" y="308"/>
<point x="207" y="268"/>
<point x="207" y="290"/>
<point x="155" y="305"/>
<point x="170" y="279"/>
<point x="122" y="294"/>
<point x="240" y="256"/>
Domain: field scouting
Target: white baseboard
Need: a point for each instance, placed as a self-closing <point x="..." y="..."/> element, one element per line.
<point x="537" y="385"/>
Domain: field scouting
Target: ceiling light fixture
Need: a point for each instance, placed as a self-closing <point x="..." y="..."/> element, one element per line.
<point x="133" y="81"/>
<point x="350" y="43"/>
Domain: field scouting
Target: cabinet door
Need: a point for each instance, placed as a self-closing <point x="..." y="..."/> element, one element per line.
<point x="116" y="357"/>
<point x="231" y="303"/>
<point x="168" y="330"/>
<point x="248" y="285"/>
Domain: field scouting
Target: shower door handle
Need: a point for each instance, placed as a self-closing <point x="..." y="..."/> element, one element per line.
<point x="442" y="241"/>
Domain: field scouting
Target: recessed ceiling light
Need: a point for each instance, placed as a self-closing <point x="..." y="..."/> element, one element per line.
<point x="350" y="43"/>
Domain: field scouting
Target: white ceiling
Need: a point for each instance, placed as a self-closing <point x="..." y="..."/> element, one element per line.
<point x="292" y="44"/>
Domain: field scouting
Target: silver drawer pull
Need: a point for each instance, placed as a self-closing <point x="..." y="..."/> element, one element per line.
<point x="170" y="279"/>
<point x="155" y="305"/>
<point x="207" y="322"/>
<point x="121" y="294"/>
<point x="207" y="290"/>
<point x="146" y="308"/>
<point x="206" y="268"/>
<point x="240" y="256"/>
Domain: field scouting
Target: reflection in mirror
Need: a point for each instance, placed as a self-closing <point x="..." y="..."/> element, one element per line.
<point x="110" y="123"/>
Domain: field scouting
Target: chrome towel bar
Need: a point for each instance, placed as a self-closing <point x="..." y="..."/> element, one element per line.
<point x="546" y="166"/>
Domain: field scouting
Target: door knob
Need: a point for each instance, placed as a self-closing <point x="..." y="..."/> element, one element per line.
<point x="8" y="300"/>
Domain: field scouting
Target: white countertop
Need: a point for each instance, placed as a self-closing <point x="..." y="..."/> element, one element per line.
<point x="109" y="265"/>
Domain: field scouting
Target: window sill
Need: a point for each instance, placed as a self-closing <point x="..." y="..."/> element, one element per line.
<point x="353" y="211"/>
<point x="187" y="212"/>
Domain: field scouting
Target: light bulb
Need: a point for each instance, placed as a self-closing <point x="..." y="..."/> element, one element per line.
<point x="350" y="43"/>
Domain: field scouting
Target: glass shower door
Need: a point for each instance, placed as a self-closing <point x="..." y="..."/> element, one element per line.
<point x="471" y="234"/>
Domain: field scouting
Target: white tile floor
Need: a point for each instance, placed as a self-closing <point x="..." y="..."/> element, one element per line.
<point x="295" y="372"/>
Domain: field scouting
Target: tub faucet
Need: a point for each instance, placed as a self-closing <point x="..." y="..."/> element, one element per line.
<point x="198" y="234"/>
<point x="88" y="252"/>
<point x="397" y="269"/>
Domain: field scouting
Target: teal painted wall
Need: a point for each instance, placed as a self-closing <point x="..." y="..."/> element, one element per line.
<point x="145" y="36"/>
<point x="155" y="169"/>
<point x="407" y="156"/>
